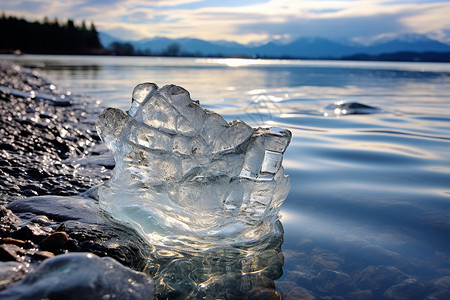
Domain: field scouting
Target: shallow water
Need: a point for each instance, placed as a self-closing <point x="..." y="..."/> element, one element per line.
<point x="367" y="189"/>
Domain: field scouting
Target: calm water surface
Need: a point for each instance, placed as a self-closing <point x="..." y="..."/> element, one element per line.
<point x="367" y="190"/>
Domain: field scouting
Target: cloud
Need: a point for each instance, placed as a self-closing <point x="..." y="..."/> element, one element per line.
<point x="247" y="21"/>
<point x="37" y="6"/>
<point x="434" y="18"/>
<point x="126" y="33"/>
<point x="138" y="16"/>
<point x="345" y="27"/>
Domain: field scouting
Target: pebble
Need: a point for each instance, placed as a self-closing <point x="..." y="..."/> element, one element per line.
<point x="8" y="240"/>
<point x="9" y="252"/>
<point x="42" y="255"/>
<point x="55" y="241"/>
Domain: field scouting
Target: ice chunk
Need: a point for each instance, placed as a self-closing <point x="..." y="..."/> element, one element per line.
<point x="185" y="177"/>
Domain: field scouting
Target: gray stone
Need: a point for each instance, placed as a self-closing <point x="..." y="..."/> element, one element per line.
<point x="81" y="276"/>
<point x="89" y="229"/>
<point x="11" y="272"/>
<point x="8" y="221"/>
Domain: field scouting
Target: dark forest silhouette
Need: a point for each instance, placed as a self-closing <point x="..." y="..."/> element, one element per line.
<point x="48" y="37"/>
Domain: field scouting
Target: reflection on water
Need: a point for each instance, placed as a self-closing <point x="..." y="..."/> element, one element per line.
<point x="368" y="215"/>
<point x="246" y="272"/>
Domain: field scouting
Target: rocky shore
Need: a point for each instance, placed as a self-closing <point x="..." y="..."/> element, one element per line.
<point x="49" y="146"/>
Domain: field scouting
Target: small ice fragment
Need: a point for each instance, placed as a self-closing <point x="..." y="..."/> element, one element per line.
<point x="143" y="91"/>
<point x="272" y="162"/>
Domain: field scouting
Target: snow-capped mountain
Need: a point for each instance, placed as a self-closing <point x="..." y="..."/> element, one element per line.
<point x="304" y="47"/>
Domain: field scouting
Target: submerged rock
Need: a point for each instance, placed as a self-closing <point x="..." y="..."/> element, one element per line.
<point x="81" y="276"/>
<point x="409" y="289"/>
<point x="380" y="278"/>
<point x="350" y="108"/>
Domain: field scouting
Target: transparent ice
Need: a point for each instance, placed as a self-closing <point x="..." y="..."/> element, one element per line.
<point x="186" y="178"/>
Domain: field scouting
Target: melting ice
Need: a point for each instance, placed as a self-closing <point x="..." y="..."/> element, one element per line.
<point x="186" y="178"/>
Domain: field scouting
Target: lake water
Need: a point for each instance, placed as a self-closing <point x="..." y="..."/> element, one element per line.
<point x="370" y="193"/>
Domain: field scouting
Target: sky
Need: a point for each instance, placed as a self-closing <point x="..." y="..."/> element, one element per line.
<point x="251" y="21"/>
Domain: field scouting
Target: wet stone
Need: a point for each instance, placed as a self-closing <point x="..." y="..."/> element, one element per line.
<point x="78" y="224"/>
<point x="20" y="243"/>
<point x="81" y="276"/>
<point x="9" y="252"/>
<point x="54" y="241"/>
<point x="8" y="221"/>
<point x="10" y="272"/>
<point x="41" y="255"/>
<point x="31" y="232"/>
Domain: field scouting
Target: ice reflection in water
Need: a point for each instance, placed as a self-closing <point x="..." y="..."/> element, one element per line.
<point x="245" y="272"/>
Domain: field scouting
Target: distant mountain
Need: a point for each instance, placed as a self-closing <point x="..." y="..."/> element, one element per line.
<point x="106" y="40"/>
<point x="192" y="46"/>
<point x="305" y="47"/>
<point x="313" y="47"/>
<point x="407" y="42"/>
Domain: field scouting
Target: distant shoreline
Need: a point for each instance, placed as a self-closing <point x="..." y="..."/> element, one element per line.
<point x="404" y="56"/>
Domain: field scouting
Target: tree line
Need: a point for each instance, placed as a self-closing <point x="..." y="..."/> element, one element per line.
<point x="48" y="36"/>
<point x="174" y="49"/>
